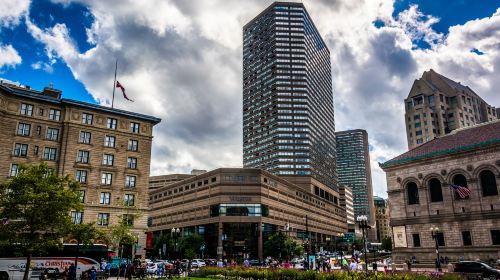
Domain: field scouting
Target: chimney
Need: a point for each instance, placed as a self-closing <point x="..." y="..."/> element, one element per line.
<point x="52" y="92"/>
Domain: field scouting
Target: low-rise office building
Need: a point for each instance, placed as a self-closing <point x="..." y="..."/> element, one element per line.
<point x="382" y="218"/>
<point x="421" y="195"/>
<point x="235" y="210"/>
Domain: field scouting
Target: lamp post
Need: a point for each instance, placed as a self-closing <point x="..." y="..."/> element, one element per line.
<point x="434" y="233"/>
<point x="175" y="234"/>
<point x="308" y="234"/>
<point x="363" y="225"/>
<point x="327" y="239"/>
<point x="339" y="236"/>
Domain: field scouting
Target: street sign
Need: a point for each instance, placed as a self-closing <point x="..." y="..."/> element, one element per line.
<point x="219" y="250"/>
<point x="349" y="237"/>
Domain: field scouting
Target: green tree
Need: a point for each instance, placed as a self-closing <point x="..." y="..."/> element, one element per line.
<point x="190" y="245"/>
<point x="281" y="246"/>
<point x="36" y="205"/>
<point x="119" y="236"/>
<point x="387" y="243"/>
<point x="158" y="245"/>
<point x="84" y="234"/>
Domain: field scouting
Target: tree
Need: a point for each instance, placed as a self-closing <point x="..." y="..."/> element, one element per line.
<point x="190" y="245"/>
<point x="280" y="246"/>
<point x="119" y="236"/>
<point x="35" y="206"/>
<point x="387" y="243"/>
<point x="84" y="234"/>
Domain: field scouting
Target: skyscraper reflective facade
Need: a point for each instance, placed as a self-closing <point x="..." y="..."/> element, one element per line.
<point x="353" y="165"/>
<point x="288" y="114"/>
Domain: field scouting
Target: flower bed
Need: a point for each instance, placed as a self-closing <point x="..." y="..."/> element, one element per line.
<point x="291" y="274"/>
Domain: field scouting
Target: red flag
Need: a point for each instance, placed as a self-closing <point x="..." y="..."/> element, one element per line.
<point x="118" y="85"/>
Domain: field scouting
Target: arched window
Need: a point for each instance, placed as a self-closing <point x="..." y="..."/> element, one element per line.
<point x="435" y="190"/>
<point x="412" y="191"/>
<point x="488" y="183"/>
<point x="461" y="181"/>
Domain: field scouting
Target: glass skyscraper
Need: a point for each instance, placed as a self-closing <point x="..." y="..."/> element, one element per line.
<point x="353" y="165"/>
<point x="288" y="114"/>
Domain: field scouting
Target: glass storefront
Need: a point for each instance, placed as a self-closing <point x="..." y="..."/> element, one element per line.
<point x="239" y="209"/>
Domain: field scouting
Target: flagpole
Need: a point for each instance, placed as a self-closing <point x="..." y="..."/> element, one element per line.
<point x="114" y="85"/>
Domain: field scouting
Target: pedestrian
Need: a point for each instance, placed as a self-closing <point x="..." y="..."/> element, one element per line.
<point x="220" y="263"/>
<point x="446" y="260"/>
<point x="353" y="266"/>
<point x="408" y="264"/>
<point x="374" y="267"/>
<point x="72" y="272"/>
<point x="130" y="271"/>
<point x="344" y="264"/>
<point x="93" y="273"/>
<point x="386" y="270"/>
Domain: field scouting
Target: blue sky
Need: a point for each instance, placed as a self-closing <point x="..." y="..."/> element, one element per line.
<point x="77" y="18"/>
<point x="180" y="60"/>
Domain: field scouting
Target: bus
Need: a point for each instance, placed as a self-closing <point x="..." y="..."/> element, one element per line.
<point x="56" y="260"/>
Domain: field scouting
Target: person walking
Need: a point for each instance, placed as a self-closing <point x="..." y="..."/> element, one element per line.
<point x="353" y="266"/>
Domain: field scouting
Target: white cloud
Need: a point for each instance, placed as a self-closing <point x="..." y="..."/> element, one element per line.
<point x="11" y="11"/>
<point x="9" y="56"/>
<point x="181" y="61"/>
<point x="40" y="65"/>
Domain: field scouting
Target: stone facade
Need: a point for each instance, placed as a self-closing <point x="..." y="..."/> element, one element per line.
<point x="437" y="105"/>
<point x="382" y="218"/>
<point x="53" y="130"/>
<point x="420" y="197"/>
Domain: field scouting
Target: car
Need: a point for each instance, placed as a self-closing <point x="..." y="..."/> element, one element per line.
<point x="197" y="263"/>
<point x="477" y="268"/>
<point x="254" y="263"/>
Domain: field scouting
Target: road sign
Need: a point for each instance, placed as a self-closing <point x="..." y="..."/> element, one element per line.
<point x="349" y="237"/>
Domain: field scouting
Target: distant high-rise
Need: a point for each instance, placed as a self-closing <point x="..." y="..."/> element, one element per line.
<point x="437" y="105"/>
<point x="353" y="167"/>
<point x="382" y="218"/>
<point x="288" y="115"/>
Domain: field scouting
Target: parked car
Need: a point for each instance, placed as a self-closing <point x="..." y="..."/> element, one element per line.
<point x="254" y="263"/>
<point x="470" y="268"/>
<point x="197" y="263"/>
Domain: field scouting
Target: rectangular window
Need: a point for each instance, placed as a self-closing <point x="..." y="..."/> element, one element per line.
<point x="129" y="200"/>
<point x="108" y="159"/>
<point x="130" y="181"/>
<point x="14" y="169"/>
<point x="106" y="179"/>
<point x="134" y="127"/>
<point x="84" y="137"/>
<point x="133" y="145"/>
<point x="132" y="162"/>
<point x="82" y="157"/>
<point x="49" y="153"/>
<point x="467" y="238"/>
<point x="87" y="118"/>
<point x="103" y="219"/>
<point x="81" y="176"/>
<point x="76" y="217"/>
<point x="495" y="237"/>
<point x="54" y="115"/>
<point x="40" y="111"/>
<point x="416" y="240"/>
<point x="21" y="150"/>
<point x="23" y="129"/>
<point x="26" y="109"/>
<point x="52" y="134"/>
<point x="105" y="198"/>
<point x="111" y="124"/>
<point x="128" y="219"/>
<point x="38" y="130"/>
<point x="109" y="141"/>
<point x="440" y="238"/>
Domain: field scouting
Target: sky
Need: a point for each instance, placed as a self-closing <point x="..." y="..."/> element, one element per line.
<point x="181" y="60"/>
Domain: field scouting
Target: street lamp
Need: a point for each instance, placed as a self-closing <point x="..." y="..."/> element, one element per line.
<point x="363" y="225"/>
<point x="434" y="233"/>
<point x="175" y="234"/>
<point x="327" y="239"/>
<point x="339" y="236"/>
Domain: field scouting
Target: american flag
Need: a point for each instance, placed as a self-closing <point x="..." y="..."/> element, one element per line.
<point x="463" y="192"/>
